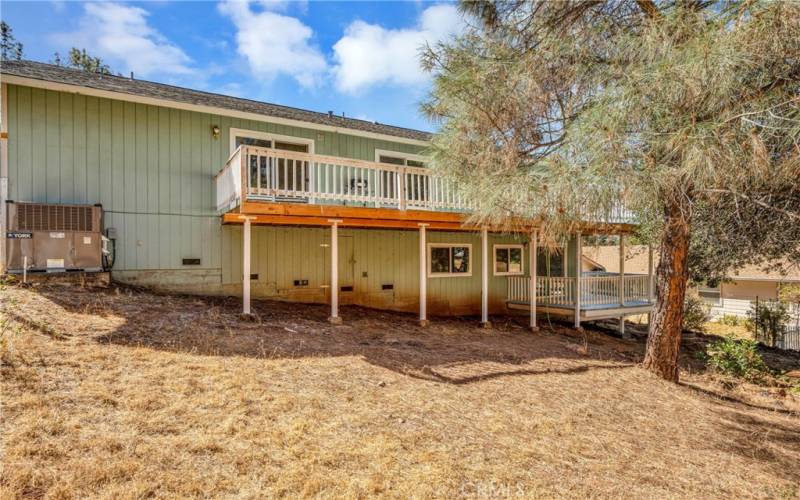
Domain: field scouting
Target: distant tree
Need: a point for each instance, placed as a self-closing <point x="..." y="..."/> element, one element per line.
<point x="789" y="293"/>
<point x="686" y="112"/>
<point x="80" y="59"/>
<point x="768" y="320"/>
<point x="10" y="48"/>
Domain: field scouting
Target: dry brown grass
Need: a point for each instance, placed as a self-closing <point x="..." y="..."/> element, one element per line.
<point x="128" y="394"/>
<point x="719" y="329"/>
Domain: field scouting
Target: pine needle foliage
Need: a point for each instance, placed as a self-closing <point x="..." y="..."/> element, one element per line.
<point x="686" y="113"/>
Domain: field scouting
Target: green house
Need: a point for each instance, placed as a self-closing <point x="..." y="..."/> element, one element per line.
<point x="211" y="194"/>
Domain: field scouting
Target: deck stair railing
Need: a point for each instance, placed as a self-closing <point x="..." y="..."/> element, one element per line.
<point x="595" y="290"/>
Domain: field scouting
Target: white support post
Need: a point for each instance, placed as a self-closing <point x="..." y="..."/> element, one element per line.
<point x="334" y="318"/>
<point x="578" y="271"/>
<point x="649" y="281"/>
<point x="622" y="283"/>
<point x="621" y="269"/>
<point x="3" y="171"/>
<point x="423" y="277"/>
<point x="533" y="250"/>
<point x="246" y="266"/>
<point x="485" y="278"/>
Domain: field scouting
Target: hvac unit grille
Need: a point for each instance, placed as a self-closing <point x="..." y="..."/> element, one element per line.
<point x="54" y="218"/>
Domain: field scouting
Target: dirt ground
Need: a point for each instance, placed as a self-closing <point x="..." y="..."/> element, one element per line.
<point x="128" y="394"/>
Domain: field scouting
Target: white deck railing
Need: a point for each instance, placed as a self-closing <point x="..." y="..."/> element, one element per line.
<point x="228" y="183"/>
<point x="595" y="290"/>
<point x="255" y="173"/>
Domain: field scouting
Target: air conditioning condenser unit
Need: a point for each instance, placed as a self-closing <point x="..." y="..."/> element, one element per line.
<point x="53" y="237"/>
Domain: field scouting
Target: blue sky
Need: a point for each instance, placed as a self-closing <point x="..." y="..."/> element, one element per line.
<point x="360" y="58"/>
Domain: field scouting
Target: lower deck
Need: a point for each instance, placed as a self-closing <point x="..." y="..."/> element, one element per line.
<point x="611" y="295"/>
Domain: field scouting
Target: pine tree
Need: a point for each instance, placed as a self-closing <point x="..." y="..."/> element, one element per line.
<point x="685" y="112"/>
<point x="10" y="48"/>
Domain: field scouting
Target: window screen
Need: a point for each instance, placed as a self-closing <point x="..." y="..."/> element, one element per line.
<point x="508" y="259"/>
<point x="453" y="259"/>
<point x="460" y="260"/>
<point x="549" y="263"/>
<point x="392" y="160"/>
<point x="252" y="141"/>
<point x="286" y="146"/>
<point x="440" y="260"/>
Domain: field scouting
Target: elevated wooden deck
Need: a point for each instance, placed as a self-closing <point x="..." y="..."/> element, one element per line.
<point x="278" y="187"/>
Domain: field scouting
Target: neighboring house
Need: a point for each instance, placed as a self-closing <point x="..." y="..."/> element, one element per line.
<point x="212" y="194"/>
<point x="734" y="296"/>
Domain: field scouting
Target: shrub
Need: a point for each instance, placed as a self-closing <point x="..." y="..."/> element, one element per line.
<point x="729" y="320"/>
<point x="789" y="292"/>
<point x="768" y="321"/>
<point x="695" y="313"/>
<point x="737" y="357"/>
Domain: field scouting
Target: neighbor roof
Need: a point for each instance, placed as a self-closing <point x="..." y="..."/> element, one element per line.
<point x="636" y="263"/>
<point x="110" y="83"/>
<point x="608" y="256"/>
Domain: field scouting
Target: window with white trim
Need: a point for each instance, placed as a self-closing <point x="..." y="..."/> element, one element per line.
<point x="712" y="295"/>
<point x="449" y="259"/>
<point x="508" y="260"/>
<point x="270" y="141"/>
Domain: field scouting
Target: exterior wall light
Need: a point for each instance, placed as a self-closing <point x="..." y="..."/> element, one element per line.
<point x="215" y="131"/>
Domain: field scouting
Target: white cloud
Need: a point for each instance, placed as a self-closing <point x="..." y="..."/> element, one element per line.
<point x="275" y="44"/>
<point x="369" y="54"/>
<point x="121" y="35"/>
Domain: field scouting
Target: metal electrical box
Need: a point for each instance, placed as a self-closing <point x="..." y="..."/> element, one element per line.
<point x="53" y="238"/>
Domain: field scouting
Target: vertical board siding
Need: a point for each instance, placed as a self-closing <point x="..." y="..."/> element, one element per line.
<point x="152" y="170"/>
<point x="281" y="255"/>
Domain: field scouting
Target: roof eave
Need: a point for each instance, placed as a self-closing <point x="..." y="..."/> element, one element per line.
<point x="155" y="101"/>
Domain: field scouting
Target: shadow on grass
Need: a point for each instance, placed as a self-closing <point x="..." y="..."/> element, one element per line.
<point x="730" y="399"/>
<point x="765" y="441"/>
<point x="449" y="350"/>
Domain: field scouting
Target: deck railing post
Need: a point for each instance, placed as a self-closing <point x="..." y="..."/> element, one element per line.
<point x="533" y="250"/>
<point x="423" y="278"/>
<point x="401" y="176"/>
<point x="485" y="278"/>
<point x="578" y="271"/>
<point x="334" y="318"/>
<point x="244" y="174"/>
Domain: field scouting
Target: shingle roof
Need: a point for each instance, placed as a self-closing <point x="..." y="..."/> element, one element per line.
<point x="58" y="74"/>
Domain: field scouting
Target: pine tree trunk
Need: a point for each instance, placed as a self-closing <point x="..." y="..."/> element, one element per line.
<point x="664" y="340"/>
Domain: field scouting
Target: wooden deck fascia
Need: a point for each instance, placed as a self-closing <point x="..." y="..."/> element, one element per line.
<point x="301" y="214"/>
<point x="587" y="314"/>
